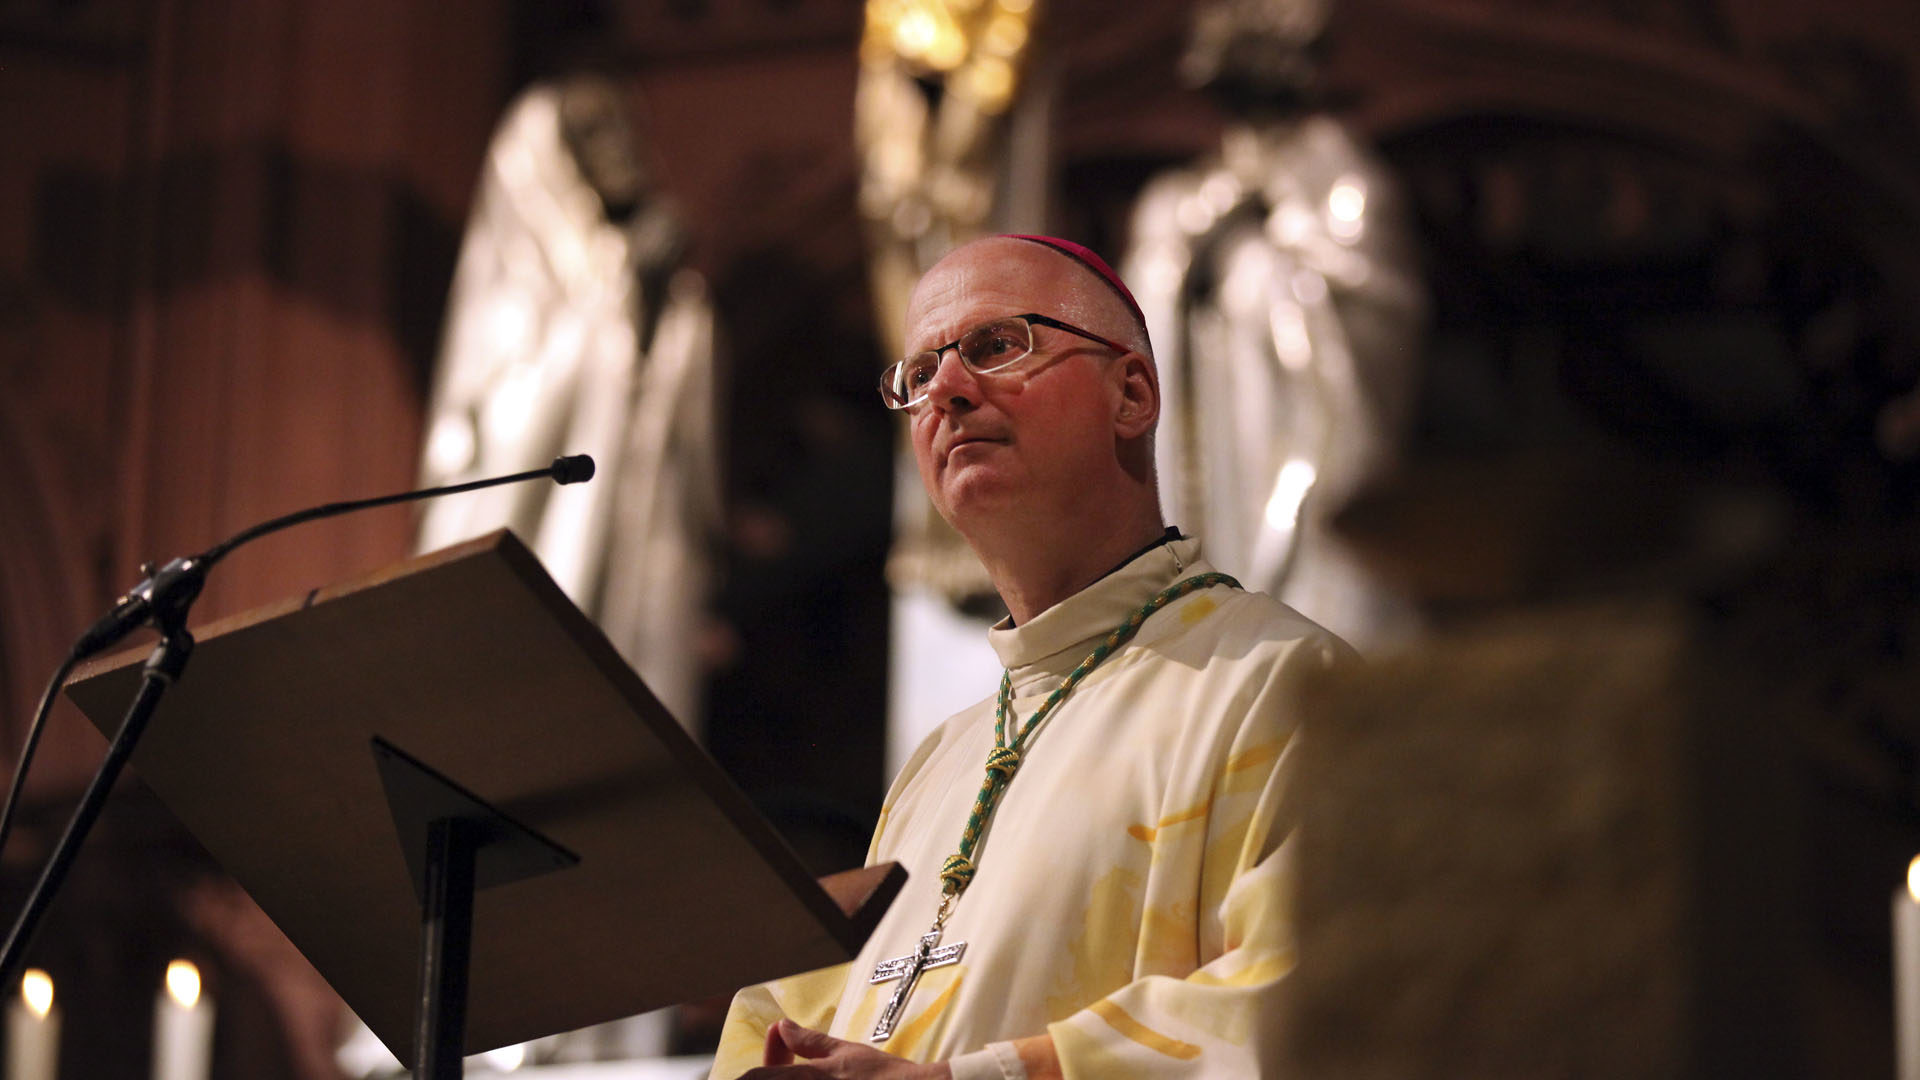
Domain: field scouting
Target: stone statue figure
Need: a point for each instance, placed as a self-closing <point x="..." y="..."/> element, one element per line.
<point x="1280" y="290"/>
<point x="573" y="327"/>
<point x="951" y="125"/>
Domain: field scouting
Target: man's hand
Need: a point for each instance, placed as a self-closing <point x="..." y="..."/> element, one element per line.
<point x="830" y="1057"/>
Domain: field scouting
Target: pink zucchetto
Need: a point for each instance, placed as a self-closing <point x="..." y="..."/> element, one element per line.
<point x="1090" y="259"/>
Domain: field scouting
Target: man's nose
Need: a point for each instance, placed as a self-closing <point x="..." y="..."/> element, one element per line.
<point x="954" y="384"/>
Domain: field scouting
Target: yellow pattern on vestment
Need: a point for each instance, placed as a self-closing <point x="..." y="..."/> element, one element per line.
<point x="808" y="999"/>
<point x="867" y="1012"/>
<point x="1197" y="610"/>
<point x="1150" y="833"/>
<point x="1133" y="1029"/>
<point x="910" y="1040"/>
<point x="1092" y="962"/>
<point x="1168" y="940"/>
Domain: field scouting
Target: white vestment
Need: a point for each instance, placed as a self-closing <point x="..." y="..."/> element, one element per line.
<point x="1130" y="898"/>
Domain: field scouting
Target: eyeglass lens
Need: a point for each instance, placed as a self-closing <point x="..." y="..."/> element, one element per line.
<point x="984" y="348"/>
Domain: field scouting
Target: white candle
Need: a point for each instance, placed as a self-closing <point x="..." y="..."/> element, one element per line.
<point x="1906" y="973"/>
<point x="182" y="1026"/>
<point x="33" y="1030"/>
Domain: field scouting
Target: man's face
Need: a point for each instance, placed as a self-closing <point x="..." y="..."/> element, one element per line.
<point x="1029" y="438"/>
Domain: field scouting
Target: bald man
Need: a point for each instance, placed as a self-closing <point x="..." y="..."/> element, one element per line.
<point x="1098" y="850"/>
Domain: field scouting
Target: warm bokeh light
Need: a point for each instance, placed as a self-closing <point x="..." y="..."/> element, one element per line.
<point x="1006" y="34"/>
<point x="992" y="83"/>
<point x="1290" y="489"/>
<point x="948" y="49"/>
<point x="36" y="989"/>
<point x="183" y="983"/>
<point x="1346" y="205"/>
<point x="913" y="34"/>
<point x="1348" y="199"/>
<point x="1913" y="879"/>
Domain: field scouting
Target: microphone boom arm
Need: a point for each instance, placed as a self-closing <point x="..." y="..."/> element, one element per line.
<point x="163" y="601"/>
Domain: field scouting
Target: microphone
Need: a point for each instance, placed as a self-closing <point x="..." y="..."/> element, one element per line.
<point x="574" y="469"/>
<point x="172" y="587"/>
<point x="169" y="591"/>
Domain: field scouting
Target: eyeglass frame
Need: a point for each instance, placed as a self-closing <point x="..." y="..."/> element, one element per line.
<point x="940" y="353"/>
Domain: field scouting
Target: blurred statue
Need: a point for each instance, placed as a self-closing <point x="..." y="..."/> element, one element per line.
<point x="951" y="126"/>
<point x="573" y="328"/>
<point x="1279" y="286"/>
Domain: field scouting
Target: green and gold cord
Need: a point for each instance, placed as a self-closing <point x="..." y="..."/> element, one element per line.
<point x="1004" y="759"/>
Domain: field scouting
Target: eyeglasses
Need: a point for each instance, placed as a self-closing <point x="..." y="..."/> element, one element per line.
<point x="988" y="347"/>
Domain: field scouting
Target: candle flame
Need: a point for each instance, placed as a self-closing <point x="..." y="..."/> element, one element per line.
<point x="183" y="983"/>
<point x="1913" y="879"/>
<point x="36" y="989"/>
<point x="507" y="1058"/>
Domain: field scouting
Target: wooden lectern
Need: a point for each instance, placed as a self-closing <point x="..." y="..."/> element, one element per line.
<point x="311" y="739"/>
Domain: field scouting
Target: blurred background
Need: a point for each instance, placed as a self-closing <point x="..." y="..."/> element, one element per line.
<point x="1508" y="311"/>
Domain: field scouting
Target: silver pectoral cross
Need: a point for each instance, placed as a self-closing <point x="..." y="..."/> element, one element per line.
<point x="928" y="954"/>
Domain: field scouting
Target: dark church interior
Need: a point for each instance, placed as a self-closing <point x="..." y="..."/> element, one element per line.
<point x="1634" y="800"/>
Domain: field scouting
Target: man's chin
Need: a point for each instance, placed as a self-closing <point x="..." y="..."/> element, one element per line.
<point x="974" y="490"/>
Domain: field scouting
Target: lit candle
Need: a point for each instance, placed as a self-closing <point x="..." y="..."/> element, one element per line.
<point x="182" y="1026"/>
<point x="33" y="1030"/>
<point x="1906" y="972"/>
<point x="505" y="1059"/>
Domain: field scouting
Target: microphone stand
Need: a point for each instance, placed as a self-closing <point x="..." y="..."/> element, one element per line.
<point x="162" y="601"/>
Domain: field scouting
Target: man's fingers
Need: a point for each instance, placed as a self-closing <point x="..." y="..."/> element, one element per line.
<point x="804" y="1041"/>
<point x="777" y="1052"/>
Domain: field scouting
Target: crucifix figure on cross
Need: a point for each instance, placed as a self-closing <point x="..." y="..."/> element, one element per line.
<point x="928" y="954"/>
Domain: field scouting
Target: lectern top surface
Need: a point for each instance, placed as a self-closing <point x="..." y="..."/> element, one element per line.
<point x="473" y="661"/>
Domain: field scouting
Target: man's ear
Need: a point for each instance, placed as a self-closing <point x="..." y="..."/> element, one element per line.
<point x="1138" y="403"/>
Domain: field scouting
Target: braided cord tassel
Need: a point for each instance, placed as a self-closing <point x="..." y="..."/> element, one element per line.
<point x="1004" y="759"/>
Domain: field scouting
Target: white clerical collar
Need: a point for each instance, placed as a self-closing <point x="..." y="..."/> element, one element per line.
<point x="1093" y="612"/>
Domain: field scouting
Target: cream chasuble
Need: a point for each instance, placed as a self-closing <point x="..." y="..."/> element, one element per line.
<point x="1130" y="898"/>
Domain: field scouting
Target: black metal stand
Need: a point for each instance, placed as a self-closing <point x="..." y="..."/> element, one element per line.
<point x="164" y="665"/>
<point x="446" y="940"/>
<point x="455" y="844"/>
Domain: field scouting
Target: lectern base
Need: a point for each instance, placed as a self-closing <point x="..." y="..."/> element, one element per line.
<point x="455" y="843"/>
